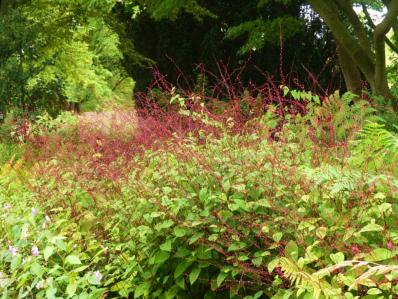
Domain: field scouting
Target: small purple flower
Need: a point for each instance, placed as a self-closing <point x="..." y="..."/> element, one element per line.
<point x="98" y="275"/>
<point x="12" y="250"/>
<point x="7" y="206"/>
<point x="35" y="251"/>
<point x="47" y="219"/>
<point x="34" y="212"/>
<point x="41" y="284"/>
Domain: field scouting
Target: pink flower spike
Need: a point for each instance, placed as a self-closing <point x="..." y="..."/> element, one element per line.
<point x="390" y="245"/>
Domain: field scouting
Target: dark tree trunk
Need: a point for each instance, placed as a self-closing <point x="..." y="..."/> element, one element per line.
<point x="351" y="73"/>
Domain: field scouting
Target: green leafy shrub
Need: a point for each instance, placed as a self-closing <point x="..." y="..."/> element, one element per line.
<point x="262" y="213"/>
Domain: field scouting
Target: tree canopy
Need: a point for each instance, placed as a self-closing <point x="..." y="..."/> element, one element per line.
<point x="60" y="52"/>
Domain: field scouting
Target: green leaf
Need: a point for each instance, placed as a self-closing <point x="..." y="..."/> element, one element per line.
<point x="372" y="227"/>
<point x="237" y="246"/>
<point x="291" y="250"/>
<point x="272" y="264"/>
<point x="142" y="289"/>
<point x="73" y="260"/>
<point x="181" y="282"/>
<point x="257" y="261"/>
<point x="166" y="246"/>
<point x="179" y="232"/>
<point x="374" y="291"/>
<point x="258" y="295"/>
<point x="60" y="244"/>
<point x="183" y="252"/>
<point x="161" y="257"/>
<point x="170" y="294"/>
<point x="71" y="289"/>
<point x="220" y="278"/>
<point x="181" y="268"/>
<point x="337" y="257"/>
<point x="47" y="252"/>
<point x="50" y="293"/>
<point x="380" y="254"/>
<point x="92" y="279"/>
<point x="80" y="269"/>
<point x="203" y="194"/>
<point x="277" y="236"/>
<point x="36" y="269"/>
<point x="193" y="276"/>
<point x="321" y="232"/>
<point x="195" y="238"/>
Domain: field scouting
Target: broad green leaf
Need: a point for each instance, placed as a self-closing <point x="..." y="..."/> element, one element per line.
<point x="257" y="261"/>
<point x="47" y="252"/>
<point x="258" y="295"/>
<point x="181" y="282"/>
<point x="372" y="227"/>
<point x="181" y="268"/>
<point x="237" y="246"/>
<point x="80" y="269"/>
<point x="220" y="278"/>
<point x="277" y="236"/>
<point x="193" y="276"/>
<point x="71" y="289"/>
<point x="166" y="246"/>
<point x="36" y="269"/>
<point x="179" y="232"/>
<point x="337" y="257"/>
<point x="272" y="264"/>
<point x="380" y="254"/>
<point x="142" y="289"/>
<point x="321" y="232"/>
<point x="50" y="293"/>
<point x="170" y="294"/>
<point x="203" y="194"/>
<point x="374" y="291"/>
<point x="291" y="250"/>
<point x="73" y="260"/>
<point x="161" y="257"/>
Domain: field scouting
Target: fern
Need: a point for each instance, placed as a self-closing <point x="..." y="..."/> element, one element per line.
<point x="376" y="140"/>
<point x="334" y="178"/>
<point x="309" y="282"/>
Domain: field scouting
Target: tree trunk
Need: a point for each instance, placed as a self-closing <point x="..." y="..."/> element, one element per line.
<point x="360" y="56"/>
<point x="380" y="32"/>
<point x="371" y="62"/>
<point x="351" y="73"/>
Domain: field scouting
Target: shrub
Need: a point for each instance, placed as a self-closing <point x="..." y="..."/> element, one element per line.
<point x="204" y="210"/>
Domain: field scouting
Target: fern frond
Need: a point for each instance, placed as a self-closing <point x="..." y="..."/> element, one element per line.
<point x="377" y="140"/>
<point x="302" y="279"/>
<point x="372" y="270"/>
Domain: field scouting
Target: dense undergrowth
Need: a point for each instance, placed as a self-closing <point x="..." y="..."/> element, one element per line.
<point x="248" y="203"/>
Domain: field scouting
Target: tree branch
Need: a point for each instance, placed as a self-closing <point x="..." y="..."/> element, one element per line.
<point x="389" y="20"/>
<point x="357" y="25"/>
<point x="373" y="26"/>
<point x="379" y="36"/>
<point x="341" y="33"/>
